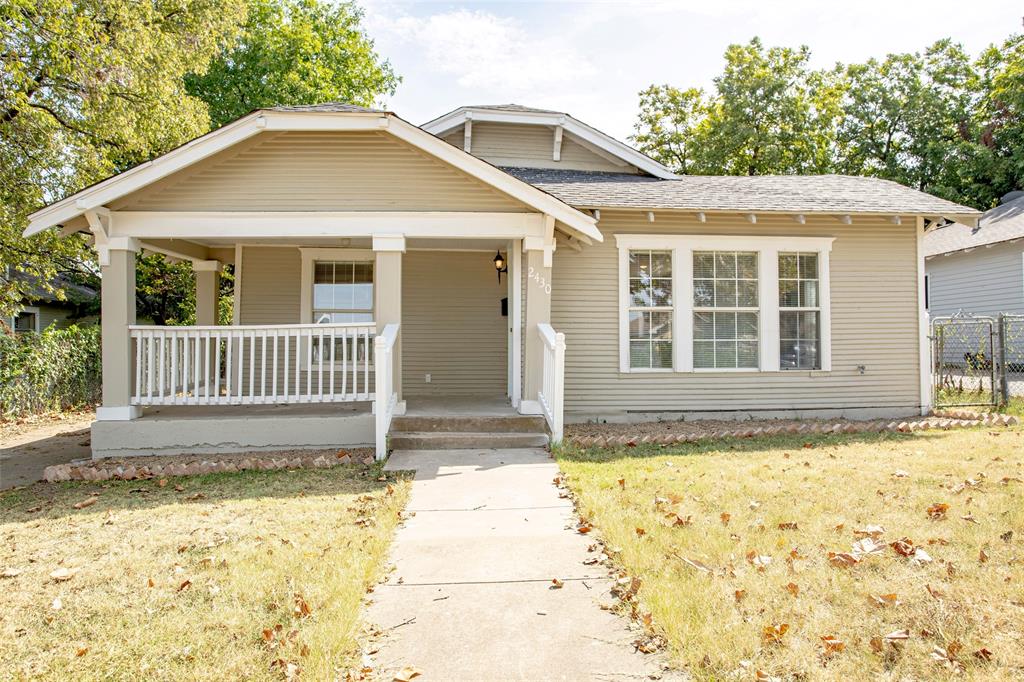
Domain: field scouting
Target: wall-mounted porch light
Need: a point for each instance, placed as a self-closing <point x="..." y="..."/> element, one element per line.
<point x="500" y="264"/>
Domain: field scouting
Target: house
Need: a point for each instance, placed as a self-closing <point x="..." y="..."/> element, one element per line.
<point x="42" y="308"/>
<point x="978" y="269"/>
<point x="497" y="261"/>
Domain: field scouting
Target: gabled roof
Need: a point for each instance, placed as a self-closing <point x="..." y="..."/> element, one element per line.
<point x="833" y="194"/>
<point x="323" y="117"/>
<point x="520" y="115"/>
<point x="1003" y="223"/>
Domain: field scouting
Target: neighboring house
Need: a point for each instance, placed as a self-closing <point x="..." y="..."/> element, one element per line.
<point x="978" y="270"/>
<point x="365" y="250"/>
<point x="42" y="309"/>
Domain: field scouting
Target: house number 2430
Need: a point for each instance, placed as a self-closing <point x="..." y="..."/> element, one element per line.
<point x="535" y="276"/>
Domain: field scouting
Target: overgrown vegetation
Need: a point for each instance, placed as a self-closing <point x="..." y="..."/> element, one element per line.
<point x="58" y="369"/>
<point x="255" y="576"/>
<point x="840" y="557"/>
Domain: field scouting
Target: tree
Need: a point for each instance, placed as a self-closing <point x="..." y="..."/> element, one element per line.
<point x="89" y="88"/>
<point x="294" y="52"/>
<point x="669" y="126"/>
<point x="1001" y="114"/>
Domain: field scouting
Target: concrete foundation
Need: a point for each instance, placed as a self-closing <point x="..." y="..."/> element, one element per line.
<point x="853" y="413"/>
<point x="250" y="428"/>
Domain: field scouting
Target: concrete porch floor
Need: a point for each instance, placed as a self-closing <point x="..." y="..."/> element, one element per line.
<point x="459" y="406"/>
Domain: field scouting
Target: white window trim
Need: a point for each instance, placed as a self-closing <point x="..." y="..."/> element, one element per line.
<point x="28" y="309"/>
<point x="310" y="256"/>
<point x="768" y="249"/>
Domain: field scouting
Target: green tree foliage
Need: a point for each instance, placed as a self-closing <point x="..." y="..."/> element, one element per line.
<point x="58" y="369"/>
<point x="87" y="89"/>
<point x="165" y="292"/>
<point x="294" y="52"/>
<point x="937" y="121"/>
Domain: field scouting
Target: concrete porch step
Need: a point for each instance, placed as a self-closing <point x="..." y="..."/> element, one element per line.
<point x="463" y="440"/>
<point x="469" y="424"/>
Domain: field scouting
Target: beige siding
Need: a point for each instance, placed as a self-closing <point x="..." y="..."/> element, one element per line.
<point x="985" y="281"/>
<point x="874" y="323"/>
<point x="365" y="171"/>
<point x="452" y="327"/>
<point x="509" y="144"/>
<point x="271" y="282"/>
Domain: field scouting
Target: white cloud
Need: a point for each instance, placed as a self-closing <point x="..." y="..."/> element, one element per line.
<point x="486" y="52"/>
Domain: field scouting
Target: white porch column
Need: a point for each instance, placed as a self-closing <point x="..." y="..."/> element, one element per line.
<point x="207" y="274"/>
<point x="538" y="310"/>
<point x="387" y="290"/>
<point x="117" y="298"/>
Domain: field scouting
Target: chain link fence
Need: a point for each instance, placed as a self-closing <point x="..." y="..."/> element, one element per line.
<point x="977" y="360"/>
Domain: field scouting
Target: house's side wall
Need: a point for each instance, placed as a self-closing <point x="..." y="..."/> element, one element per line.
<point x="319" y="171"/>
<point x="985" y="281"/>
<point x="874" y="324"/>
<point x="510" y="144"/>
<point x="452" y="326"/>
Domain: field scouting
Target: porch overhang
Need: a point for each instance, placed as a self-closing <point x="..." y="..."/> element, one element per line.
<point x="102" y="194"/>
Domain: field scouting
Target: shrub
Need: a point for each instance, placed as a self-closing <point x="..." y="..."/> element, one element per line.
<point x="58" y="369"/>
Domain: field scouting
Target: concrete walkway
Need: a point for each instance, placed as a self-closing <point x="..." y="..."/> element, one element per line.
<point x="471" y="595"/>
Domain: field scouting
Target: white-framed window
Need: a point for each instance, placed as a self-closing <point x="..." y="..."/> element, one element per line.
<point x="726" y="303"/>
<point x="26" y="321"/>
<point x="650" y="309"/>
<point x="726" y="307"/>
<point x="799" y="311"/>
<point x="338" y="288"/>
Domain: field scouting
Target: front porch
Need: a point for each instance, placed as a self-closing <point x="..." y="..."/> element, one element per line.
<point x="434" y="338"/>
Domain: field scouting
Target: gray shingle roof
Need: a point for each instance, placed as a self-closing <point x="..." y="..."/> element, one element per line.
<point x="1002" y="223"/>
<point x="329" y="107"/>
<point x="784" y="193"/>
<point x="511" y="107"/>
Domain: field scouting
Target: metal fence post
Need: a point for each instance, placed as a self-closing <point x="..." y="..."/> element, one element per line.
<point x="1004" y="385"/>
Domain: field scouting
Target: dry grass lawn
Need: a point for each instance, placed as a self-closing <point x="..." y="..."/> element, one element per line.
<point x="233" y="576"/>
<point x="731" y="542"/>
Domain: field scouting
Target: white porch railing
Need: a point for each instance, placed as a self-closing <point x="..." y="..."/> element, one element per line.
<point x="552" y="385"/>
<point x="253" y="364"/>
<point x="386" y="398"/>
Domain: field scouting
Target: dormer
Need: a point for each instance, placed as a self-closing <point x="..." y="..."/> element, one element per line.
<point x="510" y="135"/>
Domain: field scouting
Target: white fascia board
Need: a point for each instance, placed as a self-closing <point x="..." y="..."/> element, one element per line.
<point x="261" y="224"/>
<point x="499" y="179"/>
<point x="571" y="125"/>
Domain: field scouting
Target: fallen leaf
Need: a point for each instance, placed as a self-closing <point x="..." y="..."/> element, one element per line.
<point x="877" y="644"/>
<point x="903" y="547"/>
<point x="407" y="673"/>
<point x="640" y="532"/>
<point x="842" y="559"/>
<point x="1007" y="536"/>
<point x="622" y="484"/>
<point x="87" y="502"/>
<point x="884" y="599"/>
<point x="788" y="525"/>
<point x="874" y="532"/>
<point x="899" y="473"/>
<point x="725" y="516"/>
<point x="758" y="561"/>
<point x="867" y="546"/>
<point x="772" y="634"/>
<point x="740" y="595"/>
<point x="10" y="573"/>
<point x="82" y="651"/>
<point x="151" y="583"/>
<point x="934" y="592"/>
<point x="982" y="556"/>
<point x="301" y="609"/>
<point x="556" y="584"/>
<point x="793" y="589"/>
<point x="898" y="635"/>
<point x="583" y="529"/>
<point x="937" y="511"/>
<point x="983" y="654"/>
<point x="832" y="645"/>
<point x="185" y="584"/>
<point x="62" y="574"/>
<point x="162" y="483"/>
<point x="921" y="557"/>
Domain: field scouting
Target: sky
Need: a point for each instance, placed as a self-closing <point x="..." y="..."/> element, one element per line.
<point x="591" y="59"/>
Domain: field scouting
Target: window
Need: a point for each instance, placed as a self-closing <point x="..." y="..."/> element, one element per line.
<point x="723" y="303"/>
<point x="342" y="292"/>
<point x="27" y="321"/>
<point x="725" y="310"/>
<point x="650" y="309"/>
<point x="799" y="311"/>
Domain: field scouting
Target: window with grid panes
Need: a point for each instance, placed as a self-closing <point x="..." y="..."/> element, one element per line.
<point x="725" y="310"/>
<point x="650" y="309"/>
<point x="799" y="311"/>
